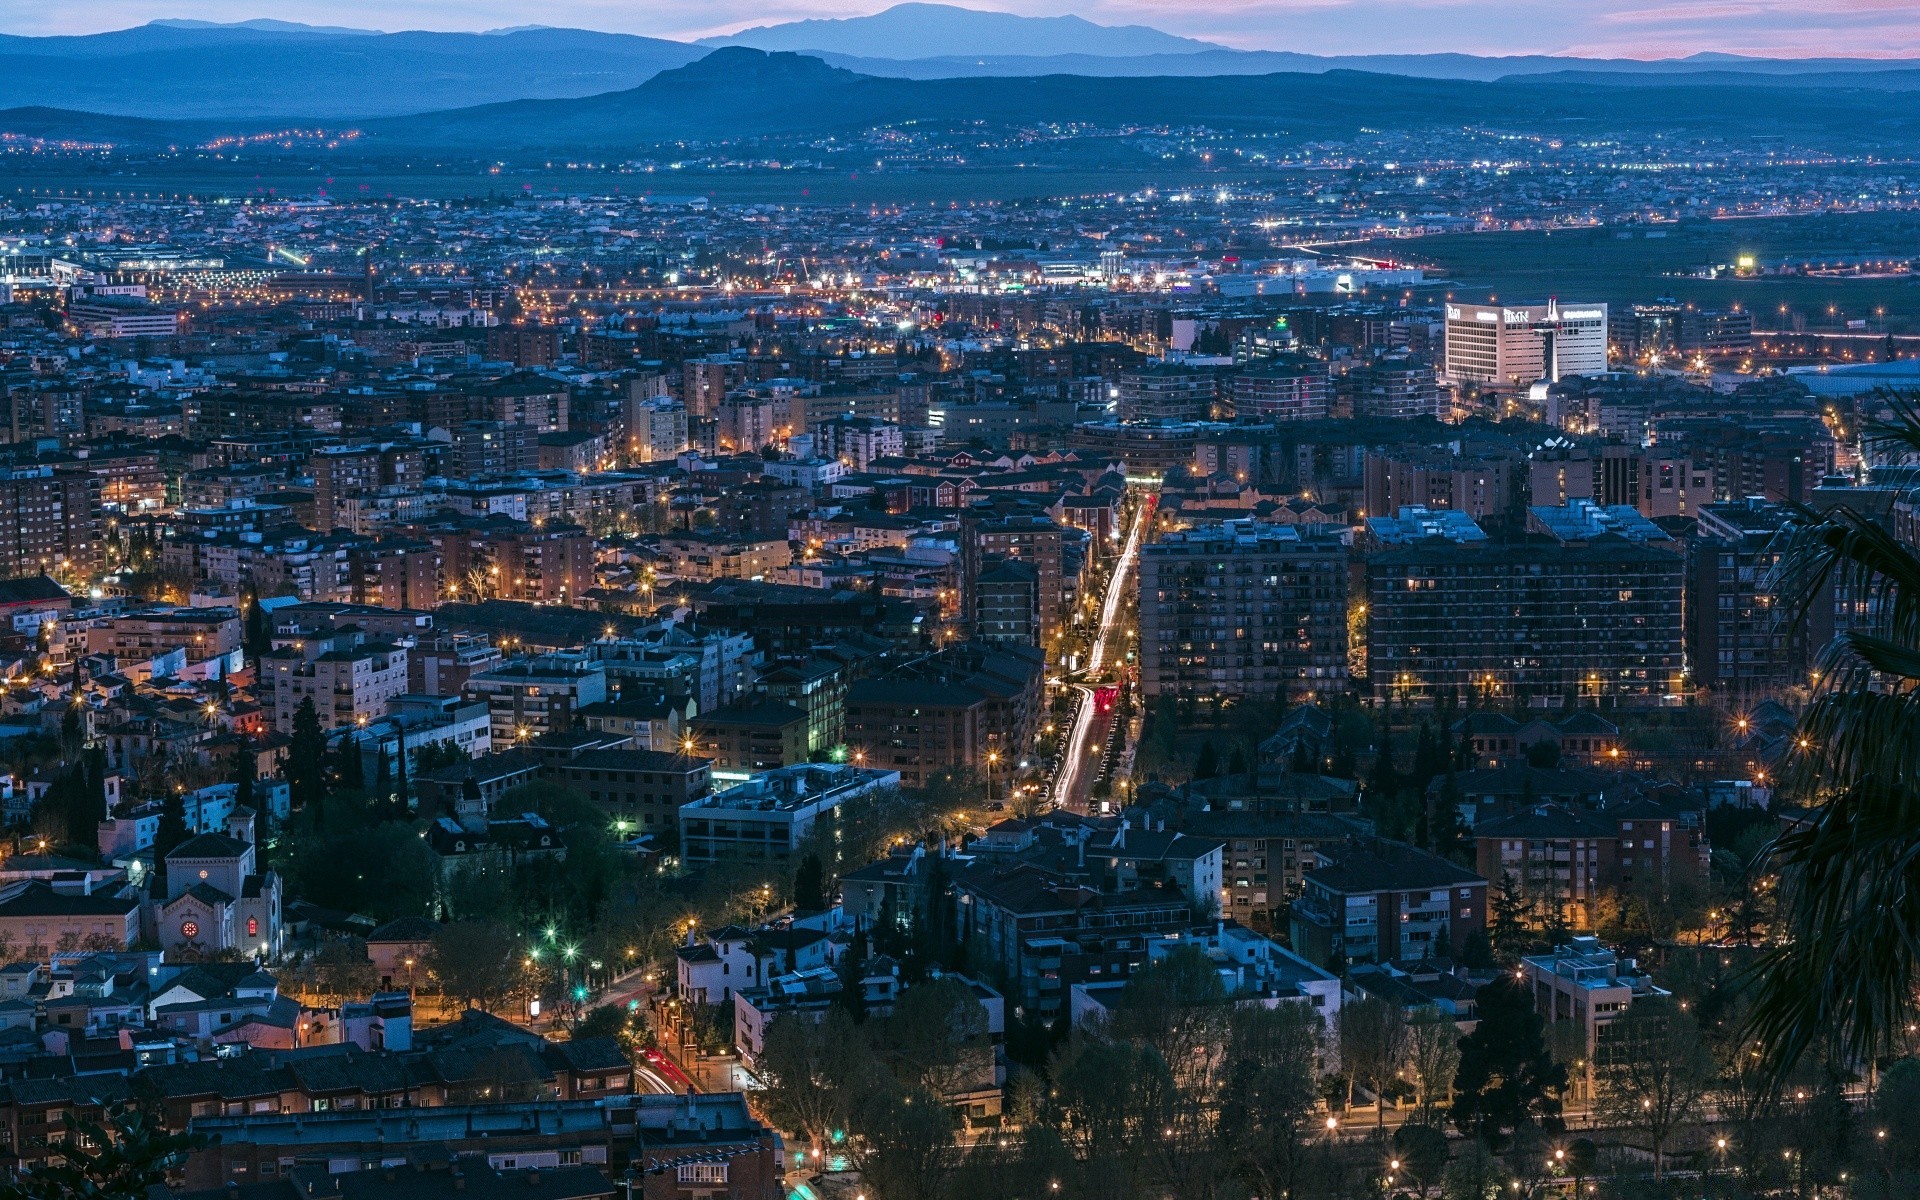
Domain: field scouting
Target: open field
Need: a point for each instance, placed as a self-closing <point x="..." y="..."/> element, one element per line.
<point x="1608" y="264"/>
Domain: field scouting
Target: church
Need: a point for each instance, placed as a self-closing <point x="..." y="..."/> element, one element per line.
<point x="217" y="899"/>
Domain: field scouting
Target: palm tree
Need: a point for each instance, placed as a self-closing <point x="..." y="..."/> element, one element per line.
<point x="1842" y="974"/>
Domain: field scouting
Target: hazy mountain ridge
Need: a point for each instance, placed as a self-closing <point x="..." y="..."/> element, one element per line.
<point x="917" y="30"/>
<point x="265" y="74"/>
<point x="232" y="72"/>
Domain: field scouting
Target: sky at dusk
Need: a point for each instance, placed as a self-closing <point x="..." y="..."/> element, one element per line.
<point x="1629" y="28"/>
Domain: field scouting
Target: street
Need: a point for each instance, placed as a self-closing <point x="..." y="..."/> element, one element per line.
<point x="1091" y="723"/>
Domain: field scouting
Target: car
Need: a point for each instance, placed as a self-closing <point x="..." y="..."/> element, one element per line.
<point x="997" y="806"/>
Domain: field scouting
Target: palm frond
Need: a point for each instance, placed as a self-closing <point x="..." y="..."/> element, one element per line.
<point x="1842" y="975"/>
<point x="1845" y="553"/>
<point x="1844" y="972"/>
<point x="1902" y="430"/>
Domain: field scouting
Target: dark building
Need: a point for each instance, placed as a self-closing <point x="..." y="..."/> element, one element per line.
<point x="1006" y="603"/>
<point x="1373" y="900"/>
<point x="524" y="345"/>
<point x="1166" y="393"/>
<point x="970" y="706"/>
<point x="1243" y="610"/>
<point x="752" y="736"/>
<point x="1739" y="641"/>
<point x="641" y="790"/>
<point x="1536" y="623"/>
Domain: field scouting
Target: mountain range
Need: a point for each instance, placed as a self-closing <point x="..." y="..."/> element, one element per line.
<point x="273" y="70"/>
<point x="736" y="92"/>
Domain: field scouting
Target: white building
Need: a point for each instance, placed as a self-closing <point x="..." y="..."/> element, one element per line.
<point x="768" y="816"/>
<point x="1588" y="984"/>
<point x="1512" y="346"/>
<point x="1253" y="969"/>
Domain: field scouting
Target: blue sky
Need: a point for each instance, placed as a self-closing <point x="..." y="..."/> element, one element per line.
<point x="1634" y="28"/>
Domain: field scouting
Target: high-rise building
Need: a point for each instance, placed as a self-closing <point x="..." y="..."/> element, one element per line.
<point x="1399" y="387"/>
<point x="524" y="345"/>
<point x="1006" y="603"/>
<point x="49" y="521"/>
<point x="1597" y="623"/>
<point x="482" y="448"/>
<point x="343" y="472"/>
<point x="1166" y="393"/>
<point x="656" y="429"/>
<point x="1243" y="610"/>
<point x="1282" y="389"/>
<point x="1034" y="540"/>
<point x="1737" y="643"/>
<point x="1511" y="346"/>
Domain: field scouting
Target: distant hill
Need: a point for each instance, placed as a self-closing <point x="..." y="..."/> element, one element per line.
<point x="1414" y="66"/>
<point x="272" y="70"/>
<point x="267" y="24"/>
<point x="1903" y="79"/>
<point x="921" y="30"/>
<point x="737" y="92"/>
<point x="263" y="71"/>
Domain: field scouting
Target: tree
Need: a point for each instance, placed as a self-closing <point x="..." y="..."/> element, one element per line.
<point x="1475" y="1175"/>
<point x="171" y="831"/>
<point x="1507" y="922"/>
<point x="306" y="763"/>
<point x="1433" y="1056"/>
<point x="1658" y="1073"/>
<point x="1269" y="1097"/>
<point x="124" y="1157"/>
<point x="606" y="1020"/>
<point x="349" y="768"/>
<point x="1844" y="968"/>
<point x="1208" y="764"/>
<point x="432" y="756"/>
<point x="1422" y="1151"/>
<point x="240" y="769"/>
<point x="476" y="963"/>
<point x="1102" y="1092"/>
<point x="810" y="1068"/>
<point x="904" y="1143"/>
<point x="935" y="1039"/>
<point x="810" y="884"/>
<point x="256" y="637"/>
<point x="1373" y="1044"/>
<point x="341" y="971"/>
<point x="1583" y="1160"/>
<point x="1506" y="1077"/>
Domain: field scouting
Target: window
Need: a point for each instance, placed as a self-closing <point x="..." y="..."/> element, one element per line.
<point x="702" y="1173"/>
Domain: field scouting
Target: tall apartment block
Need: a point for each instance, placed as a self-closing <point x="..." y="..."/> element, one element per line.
<point x="1241" y="609"/>
<point x="1551" y="624"/>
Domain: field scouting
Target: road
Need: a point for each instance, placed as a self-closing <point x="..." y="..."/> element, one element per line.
<point x="1090" y="726"/>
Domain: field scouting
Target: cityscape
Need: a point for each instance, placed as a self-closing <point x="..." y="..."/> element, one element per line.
<point x="938" y="604"/>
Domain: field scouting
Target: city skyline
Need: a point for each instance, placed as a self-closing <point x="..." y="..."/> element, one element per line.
<point x="1611" y="28"/>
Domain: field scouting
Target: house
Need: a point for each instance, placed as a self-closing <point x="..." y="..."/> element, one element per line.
<point x="36" y="920"/>
<point x="399" y="951"/>
<point x="1371" y="899"/>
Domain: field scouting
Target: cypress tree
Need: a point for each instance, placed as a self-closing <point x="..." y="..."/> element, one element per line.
<point x="1208" y="764"/>
<point x="306" y="769"/>
<point x="171" y="832"/>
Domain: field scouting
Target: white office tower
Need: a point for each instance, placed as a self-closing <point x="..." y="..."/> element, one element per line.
<point x="1511" y="346"/>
